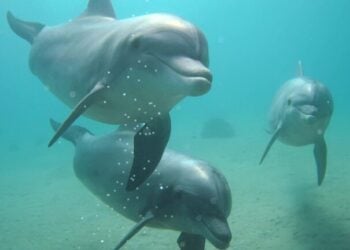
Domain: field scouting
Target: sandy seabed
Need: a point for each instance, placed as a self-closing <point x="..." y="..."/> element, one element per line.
<point x="277" y="205"/>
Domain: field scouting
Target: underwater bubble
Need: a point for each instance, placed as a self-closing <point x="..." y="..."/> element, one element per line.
<point x="147" y="184"/>
<point x="126" y="162"/>
<point x="139" y="109"/>
<point x="127" y="199"/>
<point x="124" y="94"/>
<point x="144" y="168"/>
<point x="117" y="182"/>
<point x="108" y="86"/>
<point x="155" y="70"/>
<point x="148" y="161"/>
<point x="125" y="150"/>
<point x="102" y="241"/>
<point x="82" y="217"/>
<point x="172" y="216"/>
<point x="72" y="94"/>
<point x="124" y="207"/>
<point x="108" y="195"/>
<point x="131" y="69"/>
<point x="319" y="131"/>
<point x="198" y="218"/>
<point x="213" y="201"/>
<point x="139" y="80"/>
<point x="123" y="172"/>
<point x="137" y="197"/>
<point x="135" y="99"/>
<point x="165" y="216"/>
<point x="84" y="106"/>
<point x="104" y="102"/>
<point x="127" y="77"/>
<point x="139" y="61"/>
<point x="114" y="190"/>
<point x="159" y="113"/>
<point x="108" y="72"/>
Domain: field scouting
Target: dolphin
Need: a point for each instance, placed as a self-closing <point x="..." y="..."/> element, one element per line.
<point x="120" y="71"/>
<point x="299" y="115"/>
<point x="182" y="194"/>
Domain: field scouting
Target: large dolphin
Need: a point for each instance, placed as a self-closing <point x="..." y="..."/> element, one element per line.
<point x="299" y="115"/>
<point x="182" y="194"/>
<point x="120" y="71"/>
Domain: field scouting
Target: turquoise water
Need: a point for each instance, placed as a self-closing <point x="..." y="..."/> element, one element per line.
<point x="254" y="47"/>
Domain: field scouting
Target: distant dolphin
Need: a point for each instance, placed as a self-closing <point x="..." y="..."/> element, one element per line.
<point x="183" y="194"/>
<point x="300" y="115"/>
<point x="120" y="71"/>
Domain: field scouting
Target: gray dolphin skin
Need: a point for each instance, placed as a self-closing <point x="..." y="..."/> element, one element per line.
<point x="182" y="194"/>
<point x="299" y="115"/>
<point x="120" y="71"/>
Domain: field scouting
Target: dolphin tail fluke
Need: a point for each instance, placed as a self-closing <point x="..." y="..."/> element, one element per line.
<point x="187" y="241"/>
<point x="320" y="153"/>
<point x="72" y="134"/>
<point x="149" y="216"/>
<point x="149" y="145"/>
<point x="272" y="140"/>
<point x="300" y="69"/>
<point x="78" y="110"/>
<point x="26" y="30"/>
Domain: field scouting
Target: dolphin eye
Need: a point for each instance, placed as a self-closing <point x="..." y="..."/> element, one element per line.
<point x="135" y="43"/>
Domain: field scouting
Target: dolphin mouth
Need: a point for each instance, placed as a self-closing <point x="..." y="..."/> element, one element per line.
<point x="197" y="75"/>
<point x="217" y="232"/>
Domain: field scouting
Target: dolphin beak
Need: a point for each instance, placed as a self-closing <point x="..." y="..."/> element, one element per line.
<point x="309" y="112"/>
<point x="196" y="75"/>
<point x="217" y="231"/>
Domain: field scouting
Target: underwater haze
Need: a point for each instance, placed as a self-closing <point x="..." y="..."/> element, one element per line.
<point x="254" y="47"/>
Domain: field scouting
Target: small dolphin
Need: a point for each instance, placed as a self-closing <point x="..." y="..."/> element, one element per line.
<point x="120" y="71"/>
<point x="182" y="194"/>
<point x="300" y="115"/>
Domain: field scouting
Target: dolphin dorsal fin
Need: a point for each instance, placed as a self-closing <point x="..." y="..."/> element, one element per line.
<point x="100" y="8"/>
<point x="300" y="71"/>
<point x="27" y="30"/>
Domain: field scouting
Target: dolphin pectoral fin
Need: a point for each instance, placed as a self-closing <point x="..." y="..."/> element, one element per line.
<point x="78" y="110"/>
<point x="320" y="154"/>
<point x="72" y="134"/>
<point x="187" y="241"/>
<point x="272" y="140"/>
<point x="148" y="217"/>
<point x="149" y="145"/>
<point x="27" y="30"/>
